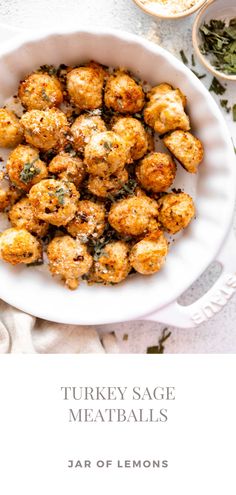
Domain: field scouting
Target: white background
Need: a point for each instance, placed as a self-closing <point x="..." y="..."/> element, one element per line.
<point x="217" y="335"/>
<point x="198" y="440"/>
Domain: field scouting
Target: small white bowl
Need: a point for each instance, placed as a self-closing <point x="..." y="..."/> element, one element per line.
<point x="214" y="9"/>
<point x="185" y="13"/>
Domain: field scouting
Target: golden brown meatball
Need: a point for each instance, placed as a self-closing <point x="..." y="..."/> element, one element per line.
<point x="84" y="127"/>
<point x="165" y="110"/>
<point x="88" y="221"/>
<point x="40" y="91"/>
<point x="69" y="259"/>
<point x="148" y="255"/>
<point x="134" y="134"/>
<point x="8" y="195"/>
<point x="132" y="216"/>
<point x="123" y="94"/>
<point x="175" y="211"/>
<point x="22" y="216"/>
<point x="85" y="87"/>
<point x="186" y="148"/>
<point x="113" y="264"/>
<point x="11" y="131"/>
<point x="19" y="246"/>
<point x="105" y="186"/>
<point x="156" y="172"/>
<point x="105" y="153"/>
<point x="54" y="201"/>
<point x="68" y="167"/>
<point x="25" y="168"/>
<point x="45" y="129"/>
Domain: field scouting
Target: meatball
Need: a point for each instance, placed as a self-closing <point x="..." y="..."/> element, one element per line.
<point x="54" y="201"/>
<point x="123" y="94"/>
<point x="68" y="167"/>
<point x="175" y="211"/>
<point x="11" y="131"/>
<point x="113" y="264"/>
<point x="19" y="246"/>
<point x="88" y="221"/>
<point x="165" y="109"/>
<point x="69" y="259"/>
<point x="45" y="129"/>
<point x="105" y="186"/>
<point x="84" y="127"/>
<point x="132" y="216"/>
<point x="8" y="195"/>
<point x="22" y="216"/>
<point x="186" y="148"/>
<point x="156" y="172"/>
<point x="25" y="168"/>
<point x="134" y="134"/>
<point x="85" y="87"/>
<point x="40" y="91"/>
<point x="105" y="153"/>
<point x="149" y="254"/>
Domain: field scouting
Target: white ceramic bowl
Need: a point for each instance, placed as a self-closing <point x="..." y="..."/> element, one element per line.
<point x="33" y="289"/>
<point x="149" y="9"/>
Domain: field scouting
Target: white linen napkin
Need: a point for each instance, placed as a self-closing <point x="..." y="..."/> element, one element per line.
<point x="22" y="333"/>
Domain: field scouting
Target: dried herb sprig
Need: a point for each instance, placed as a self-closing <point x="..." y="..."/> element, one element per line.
<point x="224" y="104"/>
<point x="183" y="56"/>
<point x="219" y="41"/>
<point x="200" y="76"/>
<point x="234" y="112"/>
<point x="160" y="348"/>
<point x="216" y="87"/>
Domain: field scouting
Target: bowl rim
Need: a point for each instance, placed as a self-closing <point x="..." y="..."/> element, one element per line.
<point x="33" y="37"/>
<point x="181" y="15"/>
<point x="202" y="58"/>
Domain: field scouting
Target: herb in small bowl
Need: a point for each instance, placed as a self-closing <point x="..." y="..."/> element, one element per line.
<point x="214" y="38"/>
<point x="219" y="42"/>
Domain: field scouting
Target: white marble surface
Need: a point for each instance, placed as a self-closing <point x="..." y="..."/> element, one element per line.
<point x="219" y="334"/>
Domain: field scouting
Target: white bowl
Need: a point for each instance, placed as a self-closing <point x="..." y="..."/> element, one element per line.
<point x="160" y="15"/>
<point x="32" y="289"/>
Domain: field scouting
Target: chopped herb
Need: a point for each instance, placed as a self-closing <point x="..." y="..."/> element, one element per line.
<point x="160" y="348"/>
<point x="193" y="60"/>
<point x="216" y="87"/>
<point x="47" y="156"/>
<point x="69" y="149"/>
<point x="50" y="69"/>
<point x="45" y="96"/>
<point x="35" y="263"/>
<point x="60" y="193"/>
<point x="126" y="190"/>
<point x="183" y="56"/>
<point x="29" y="171"/>
<point x="224" y="104"/>
<point x="200" y="76"/>
<point x="99" y="247"/>
<point x="107" y="145"/>
<point x="125" y="337"/>
<point x="234" y="112"/>
<point x="219" y="40"/>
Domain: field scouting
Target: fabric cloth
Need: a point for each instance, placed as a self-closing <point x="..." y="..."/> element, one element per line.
<point x="22" y="333"/>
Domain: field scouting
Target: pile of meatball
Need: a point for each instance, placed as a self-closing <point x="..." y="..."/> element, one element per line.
<point x="86" y="133"/>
